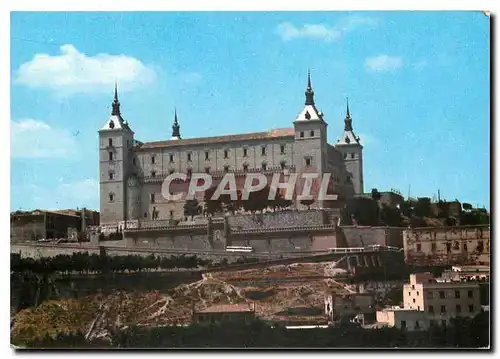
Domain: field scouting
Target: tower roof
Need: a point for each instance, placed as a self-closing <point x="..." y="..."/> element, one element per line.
<point x="348" y="137"/>
<point x="176" y="129"/>
<point x="309" y="112"/>
<point x="115" y="121"/>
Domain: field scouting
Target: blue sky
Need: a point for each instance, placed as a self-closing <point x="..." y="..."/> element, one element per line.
<point x="417" y="82"/>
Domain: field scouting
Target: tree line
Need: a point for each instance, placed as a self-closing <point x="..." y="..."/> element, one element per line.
<point x="460" y="333"/>
<point x="85" y="263"/>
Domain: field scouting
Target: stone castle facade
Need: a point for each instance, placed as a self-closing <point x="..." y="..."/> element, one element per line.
<point x="132" y="172"/>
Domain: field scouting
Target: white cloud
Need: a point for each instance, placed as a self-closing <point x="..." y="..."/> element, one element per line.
<point x="35" y="139"/>
<point x="382" y="63"/>
<point x="288" y="31"/>
<point x="75" y="72"/>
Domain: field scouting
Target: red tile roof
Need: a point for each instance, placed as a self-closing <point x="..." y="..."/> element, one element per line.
<point x="274" y="133"/>
<point x="227" y="308"/>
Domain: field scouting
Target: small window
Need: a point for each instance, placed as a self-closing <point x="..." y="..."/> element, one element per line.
<point x="417" y="325"/>
<point x="308" y="162"/>
<point x="302" y="134"/>
<point x="226" y="154"/>
<point x="457" y="294"/>
<point x="111" y="175"/>
<point x="226" y="169"/>
<point x="283" y="165"/>
<point x="443" y="309"/>
<point x="417" y="293"/>
<point x="111" y="156"/>
<point x="353" y="155"/>
<point x="171" y="158"/>
<point x="245" y="152"/>
<point x="245" y="167"/>
<point x="431" y="309"/>
<point x="152" y="197"/>
<point x="153" y="174"/>
<point x="413" y="286"/>
<point x="189" y="157"/>
<point x="419" y="247"/>
<point x="153" y="159"/>
<point x="189" y="172"/>
<point x="470" y="294"/>
<point x="133" y="161"/>
<point x="207" y="169"/>
<point x="110" y="142"/>
<point x="443" y="322"/>
<point x="403" y="324"/>
<point x="171" y="213"/>
<point x="465" y="247"/>
<point x="264" y="166"/>
<point x="111" y="197"/>
<point x="414" y="300"/>
<point x="441" y="294"/>
<point x="458" y="308"/>
<point x="312" y="133"/>
<point x="282" y="149"/>
<point x="471" y="308"/>
<point x="433" y="247"/>
<point x="206" y="155"/>
<point x="263" y="150"/>
<point x="145" y="214"/>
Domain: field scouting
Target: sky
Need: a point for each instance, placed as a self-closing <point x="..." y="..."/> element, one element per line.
<point x="418" y="85"/>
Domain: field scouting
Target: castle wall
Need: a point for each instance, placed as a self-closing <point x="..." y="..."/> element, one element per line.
<point x="277" y="220"/>
<point x="365" y="236"/>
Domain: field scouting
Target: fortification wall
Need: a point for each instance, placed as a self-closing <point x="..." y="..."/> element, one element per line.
<point x="365" y="236"/>
<point x="276" y="219"/>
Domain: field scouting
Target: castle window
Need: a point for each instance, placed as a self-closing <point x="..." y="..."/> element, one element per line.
<point x="111" y="197"/>
<point x="189" y="172"/>
<point x="458" y="308"/>
<point x="471" y="308"/>
<point x="465" y="247"/>
<point x="207" y="169"/>
<point x="301" y="134"/>
<point x="189" y="157"/>
<point x="110" y="142"/>
<point x="308" y="162"/>
<point x="312" y="133"/>
<point x="153" y="174"/>
<point x="283" y="164"/>
<point x="470" y="294"/>
<point x="133" y="161"/>
<point x="206" y="155"/>
<point x="226" y="169"/>
<point x="145" y="214"/>
<point x="419" y="247"/>
<point x="111" y="175"/>
<point x="264" y="166"/>
<point x="171" y="213"/>
<point x="171" y="158"/>
<point x="111" y="156"/>
<point x="433" y="247"/>
<point x="263" y="150"/>
<point x="245" y="167"/>
<point x="153" y="159"/>
<point x="245" y="152"/>
<point x="282" y="149"/>
<point x="352" y="155"/>
<point x="171" y="171"/>
<point x="226" y="153"/>
<point x="152" y="197"/>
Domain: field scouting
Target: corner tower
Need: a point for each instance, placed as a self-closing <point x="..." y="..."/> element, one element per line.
<point x="310" y="137"/>
<point x="352" y="151"/>
<point x="116" y="141"/>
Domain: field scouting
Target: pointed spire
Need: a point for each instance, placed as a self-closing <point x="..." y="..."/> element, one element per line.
<point x="176" y="133"/>
<point x="116" y="103"/>
<point x="309" y="90"/>
<point x="348" y="119"/>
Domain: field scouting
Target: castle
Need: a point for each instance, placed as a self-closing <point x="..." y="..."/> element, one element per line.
<point x="132" y="172"/>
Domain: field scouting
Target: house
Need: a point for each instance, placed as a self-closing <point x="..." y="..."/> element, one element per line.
<point x="401" y="318"/>
<point x="337" y="306"/>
